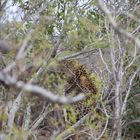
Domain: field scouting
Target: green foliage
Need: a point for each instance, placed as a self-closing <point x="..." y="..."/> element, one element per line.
<point x="71" y="114"/>
<point x="96" y="80"/>
<point x="18" y="134"/>
<point x="95" y="120"/>
<point x="133" y="112"/>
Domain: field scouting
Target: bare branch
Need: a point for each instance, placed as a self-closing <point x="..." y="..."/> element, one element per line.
<point x="39" y="90"/>
<point x="40" y="118"/>
<point x="24" y="45"/>
<point x="70" y="130"/>
<point x="101" y="55"/>
<point x="12" y="112"/>
<point x="107" y="120"/>
<point x="4" y="46"/>
<point x="75" y="55"/>
<point x="26" y="120"/>
<point x="115" y="26"/>
<point x="133" y="60"/>
<point x="128" y="91"/>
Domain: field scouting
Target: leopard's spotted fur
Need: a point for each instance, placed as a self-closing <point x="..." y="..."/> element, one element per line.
<point x="79" y="81"/>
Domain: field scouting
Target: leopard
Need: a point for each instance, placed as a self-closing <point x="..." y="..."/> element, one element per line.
<point x="79" y="81"/>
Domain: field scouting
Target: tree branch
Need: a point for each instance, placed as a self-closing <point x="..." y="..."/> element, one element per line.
<point x="39" y="90"/>
<point x="115" y="26"/>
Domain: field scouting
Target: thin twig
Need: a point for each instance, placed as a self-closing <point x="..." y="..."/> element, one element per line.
<point x="115" y="26"/>
<point x="128" y="91"/>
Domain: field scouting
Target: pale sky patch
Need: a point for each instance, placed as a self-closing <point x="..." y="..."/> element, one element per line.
<point x="13" y="12"/>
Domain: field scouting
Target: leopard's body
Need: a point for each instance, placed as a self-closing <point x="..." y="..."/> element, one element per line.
<point x="79" y="81"/>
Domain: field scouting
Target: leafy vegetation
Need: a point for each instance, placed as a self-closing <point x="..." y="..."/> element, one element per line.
<point x="54" y="51"/>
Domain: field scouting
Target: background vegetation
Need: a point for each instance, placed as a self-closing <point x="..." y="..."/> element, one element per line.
<point x="55" y="54"/>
